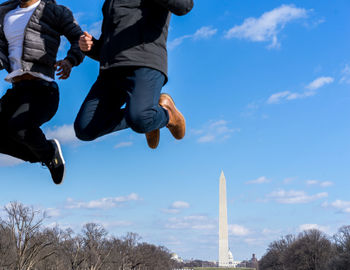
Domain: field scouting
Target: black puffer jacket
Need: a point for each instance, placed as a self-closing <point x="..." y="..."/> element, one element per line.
<point x="42" y="37"/>
<point x="134" y="33"/>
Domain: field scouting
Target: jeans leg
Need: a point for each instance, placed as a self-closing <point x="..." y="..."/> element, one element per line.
<point x="101" y="111"/>
<point x="32" y="104"/>
<point x="8" y="145"/>
<point x="143" y="114"/>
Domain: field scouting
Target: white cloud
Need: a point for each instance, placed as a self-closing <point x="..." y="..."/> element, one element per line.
<point x="104" y="203"/>
<point x="306" y="227"/>
<point x="95" y="29"/>
<point x="237" y="230"/>
<point x="319" y="82"/>
<point x="53" y="212"/>
<point x="114" y="224"/>
<point x="295" y="197"/>
<point x="8" y="161"/>
<point x="123" y="144"/>
<point x="260" y="180"/>
<point x="205" y="32"/>
<point x="215" y="131"/>
<point x="345" y="75"/>
<point x="177" y="42"/>
<point x="277" y="97"/>
<point x="268" y="26"/>
<point x="319" y="183"/>
<point x="343" y="206"/>
<point x="288" y="180"/>
<point x="326" y="184"/>
<point x="311" y="182"/>
<point x="79" y="15"/>
<point x="191" y="222"/>
<point x="65" y="134"/>
<point x="176" y="207"/>
<point x="180" y="205"/>
<point x="311" y="91"/>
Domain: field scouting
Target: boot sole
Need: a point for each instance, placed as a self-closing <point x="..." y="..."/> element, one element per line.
<point x="182" y="117"/>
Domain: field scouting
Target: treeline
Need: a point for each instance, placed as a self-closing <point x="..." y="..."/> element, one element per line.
<point x="25" y="244"/>
<point x="310" y="250"/>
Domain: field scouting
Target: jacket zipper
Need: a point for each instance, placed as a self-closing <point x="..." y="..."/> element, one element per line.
<point x="24" y="35"/>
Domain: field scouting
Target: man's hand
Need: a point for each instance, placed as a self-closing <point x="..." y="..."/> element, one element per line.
<point x="85" y="42"/>
<point x="63" y="68"/>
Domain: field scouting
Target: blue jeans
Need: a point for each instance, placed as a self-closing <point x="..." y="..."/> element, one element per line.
<point x="102" y="111"/>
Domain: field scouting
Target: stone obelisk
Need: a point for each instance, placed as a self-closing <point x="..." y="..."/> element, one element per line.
<point x="223" y="227"/>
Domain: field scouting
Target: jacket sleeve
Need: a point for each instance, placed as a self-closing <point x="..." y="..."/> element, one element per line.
<point x="4" y="62"/>
<point x="178" y="7"/>
<point x="94" y="53"/>
<point x="72" y="31"/>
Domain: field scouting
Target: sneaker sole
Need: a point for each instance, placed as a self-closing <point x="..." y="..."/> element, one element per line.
<point x="61" y="155"/>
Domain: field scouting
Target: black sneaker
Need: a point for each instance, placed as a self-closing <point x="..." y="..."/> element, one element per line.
<point x="56" y="165"/>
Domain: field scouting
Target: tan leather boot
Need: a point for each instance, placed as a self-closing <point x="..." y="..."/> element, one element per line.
<point x="177" y="123"/>
<point x="153" y="138"/>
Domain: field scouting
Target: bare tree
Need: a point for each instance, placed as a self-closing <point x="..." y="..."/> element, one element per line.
<point x="72" y="250"/>
<point x="6" y="248"/>
<point x="25" y="244"/>
<point x="341" y="258"/>
<point x="97" y="247"/>
<point x="24" y="225"/>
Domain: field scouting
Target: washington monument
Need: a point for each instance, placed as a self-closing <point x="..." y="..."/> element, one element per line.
<point x="223" y="227"/>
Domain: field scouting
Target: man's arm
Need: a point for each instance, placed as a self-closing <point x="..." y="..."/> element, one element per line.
<point x="90" y="45"/>
<point x="72" y="31"/>
<point x="94" y="51"/>
<point x="178" y="7"/>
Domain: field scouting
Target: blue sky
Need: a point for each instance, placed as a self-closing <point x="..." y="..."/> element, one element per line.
<point x="265" y="89"/>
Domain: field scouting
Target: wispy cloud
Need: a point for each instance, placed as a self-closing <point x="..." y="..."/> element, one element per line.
<point x="343" y="206"/>
<point x="123" y="144"/>
<point x="267" y="27"/>
<point x="306" y="227"/>
<point x="215" y="131"/>
<point x="345" y="75"/>
<point x="238" y="230"/>
<point x="278" y="97"/>
<point x="104" y="203"/>
<point x="8" y="161"/>
<point x="191" y="222"/>
<point x="95" y="29"/>
<point x="295" y="197"/>
<point x="311" y="91"/>
<point x="319" y="183"/>
<point x="79" y="15"/>
<point x="288" y="180"/>
<point x="53" y="212"/>
<point x="65" y="134"/>
<point x="205" y="32"/>
<point x="260" y="180"/>
<point x="176" y="207"/>
<point x="320" y="82"/>
<point x="115" y="224"/>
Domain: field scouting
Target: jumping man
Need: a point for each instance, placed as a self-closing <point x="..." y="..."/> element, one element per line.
<point x="30" y="32"/>
<point x="133" y="69"/>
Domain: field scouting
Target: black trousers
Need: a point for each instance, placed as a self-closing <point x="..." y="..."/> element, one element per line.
<point x="23" y="109"/>
<point x="103" y="111"/>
